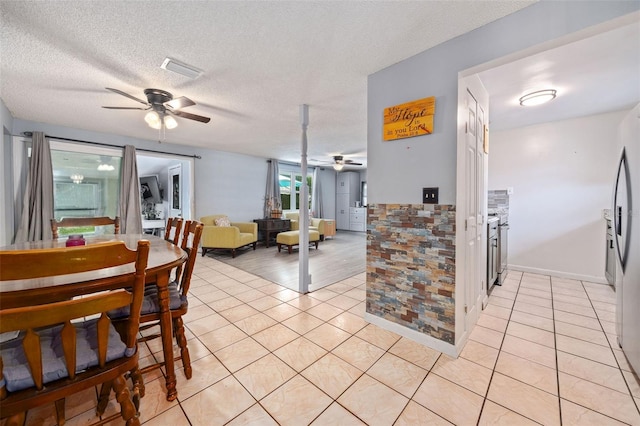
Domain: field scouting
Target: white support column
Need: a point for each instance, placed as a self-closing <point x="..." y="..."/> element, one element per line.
<point x="304" y="279"/>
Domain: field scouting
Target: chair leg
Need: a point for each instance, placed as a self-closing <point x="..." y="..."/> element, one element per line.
<point x="17" y="419"/>
<point x="123" y="396"/>
<point x="178" y="326"/>
<point x="316" y="245"/>
<point x="60" y="411"/>
<point x="103" y="398"/>
<point x="138" y="386"/>
<point x="290" y="249"/>
<point x="254" y="245"/>
<point x="204" y="251"/>
<point x="233" y="253"/>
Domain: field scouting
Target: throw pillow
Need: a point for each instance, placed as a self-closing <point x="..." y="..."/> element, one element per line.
<point x="223" y="221"/>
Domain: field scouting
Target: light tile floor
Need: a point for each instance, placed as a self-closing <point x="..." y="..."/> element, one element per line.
<point x="543" y="352"/>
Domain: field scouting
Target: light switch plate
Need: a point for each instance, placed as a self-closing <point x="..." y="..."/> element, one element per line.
<point x="430" y="195"/>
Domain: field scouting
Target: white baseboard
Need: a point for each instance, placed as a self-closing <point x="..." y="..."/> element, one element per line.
<point x="416" y="336"/>
<point x="559" y="274"/>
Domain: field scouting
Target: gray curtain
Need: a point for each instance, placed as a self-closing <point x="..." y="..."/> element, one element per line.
<point x="37" y="204"/>
<point x="272" y="191"/>
<point x="316" y="195"/>
<point x="130" y="212"/>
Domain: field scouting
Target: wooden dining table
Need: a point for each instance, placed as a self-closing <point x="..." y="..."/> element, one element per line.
<point x="163" y="257"/>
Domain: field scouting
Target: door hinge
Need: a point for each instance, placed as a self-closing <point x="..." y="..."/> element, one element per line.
<point x="465" y="309"/>
<point x="465" y="224"/>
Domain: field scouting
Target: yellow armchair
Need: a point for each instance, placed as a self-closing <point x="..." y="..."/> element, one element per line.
<point x="315" y="224"/>
<point x="238" y="234"/>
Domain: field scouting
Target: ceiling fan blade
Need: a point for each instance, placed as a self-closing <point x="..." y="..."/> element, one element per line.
<point x="120" y="92"/>
<point x="353" y="163"/>
<point x="109" y="107"/>
<point x="191" y="116"/>
<point x="180" y="102"/>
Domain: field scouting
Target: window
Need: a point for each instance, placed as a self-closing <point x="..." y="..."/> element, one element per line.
<point x="86" y="183"/>
<point x="289" y="197"/>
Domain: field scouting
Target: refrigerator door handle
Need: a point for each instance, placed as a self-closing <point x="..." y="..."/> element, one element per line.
<point x="622" y="208"/>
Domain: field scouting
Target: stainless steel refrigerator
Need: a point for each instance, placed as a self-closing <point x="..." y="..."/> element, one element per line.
<point x="626" y="227"/>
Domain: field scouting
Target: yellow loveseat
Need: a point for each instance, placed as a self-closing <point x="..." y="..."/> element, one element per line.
<point x="315" y="224"/>
<point x="234" y="236"/>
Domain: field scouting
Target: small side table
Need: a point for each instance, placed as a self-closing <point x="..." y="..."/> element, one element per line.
<point x="271" y="227"/>
<point x="329" y="228"/>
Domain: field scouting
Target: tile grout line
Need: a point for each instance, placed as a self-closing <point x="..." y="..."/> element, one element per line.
<point x="555" y="349"/>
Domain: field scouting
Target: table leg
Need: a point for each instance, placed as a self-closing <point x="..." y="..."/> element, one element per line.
<point x="166" y="327"/>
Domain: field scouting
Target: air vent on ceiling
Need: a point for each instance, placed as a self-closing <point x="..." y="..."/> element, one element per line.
<point x="180" y="68"/>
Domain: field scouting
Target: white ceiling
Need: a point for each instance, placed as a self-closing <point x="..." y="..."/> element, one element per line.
<point x="261" y="60"/>
<point x="593" y="75"/>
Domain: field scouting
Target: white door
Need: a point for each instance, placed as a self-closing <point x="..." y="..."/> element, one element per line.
<point x="471" y="209"/>
<point x="472" y="199"/>
<point x="175" y="196"/>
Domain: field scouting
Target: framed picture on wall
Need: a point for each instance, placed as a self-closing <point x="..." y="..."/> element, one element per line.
<point x="175" y="183"/>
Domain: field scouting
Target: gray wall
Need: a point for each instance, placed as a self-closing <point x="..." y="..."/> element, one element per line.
<point x="398" y="170"/>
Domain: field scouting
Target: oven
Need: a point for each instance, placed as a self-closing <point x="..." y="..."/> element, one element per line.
<point x="503" y="244"/>
<point x="492" y="252"/>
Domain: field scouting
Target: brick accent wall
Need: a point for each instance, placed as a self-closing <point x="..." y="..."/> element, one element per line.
<point x="411" y="266"/>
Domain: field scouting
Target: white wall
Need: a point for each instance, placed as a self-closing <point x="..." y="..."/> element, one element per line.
<point x="398" y="170"/>
<point x="562" y="175"/>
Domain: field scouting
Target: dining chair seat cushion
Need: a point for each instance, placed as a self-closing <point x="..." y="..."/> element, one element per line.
<point x="150" y="303"/>
<point x="16" y="369"/>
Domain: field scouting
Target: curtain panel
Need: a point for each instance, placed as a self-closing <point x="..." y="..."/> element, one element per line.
<point x="130" y="210"/>
<point x="37" y="204"/>
<point x="317" y="209"/>
<point x="272" y="191"/>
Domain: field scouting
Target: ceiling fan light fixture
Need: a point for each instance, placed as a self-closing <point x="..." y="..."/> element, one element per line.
<point x="537" y="98"/>
<point x="186" y="70"/>
<point x="76" y="178"/>
<point x="170" y="122"/>
<point x="153" y="119"/>
<point x="338" y="167"/>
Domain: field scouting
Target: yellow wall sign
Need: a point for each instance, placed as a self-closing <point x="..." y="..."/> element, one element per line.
<point x="410" y="119"/>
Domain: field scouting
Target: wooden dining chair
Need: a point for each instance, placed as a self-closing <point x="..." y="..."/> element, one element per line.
<point x="172" y="233"/>
<point x="69" y="222"/>
<point x="57" y="351"/>
<point x="178" y="302"/>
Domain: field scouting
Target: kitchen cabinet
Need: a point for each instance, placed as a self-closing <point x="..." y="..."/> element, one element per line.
<point x="357" y="219"/>
<point x="347" y="194"/>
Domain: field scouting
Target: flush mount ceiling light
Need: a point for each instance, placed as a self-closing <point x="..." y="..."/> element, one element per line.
<point x="180" y="68"/>
<point x="76" y="178"/>
<point x="537" y="98"/>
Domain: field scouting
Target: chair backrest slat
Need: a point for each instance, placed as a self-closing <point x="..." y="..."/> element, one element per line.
<point x="190" y="242"/>
<point x="27" y="264"/>
<point x="68" y="222"/>
<point x="172" y="233"/>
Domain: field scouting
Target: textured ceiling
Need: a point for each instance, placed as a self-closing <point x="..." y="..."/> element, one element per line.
<point x="261" y="60"/>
